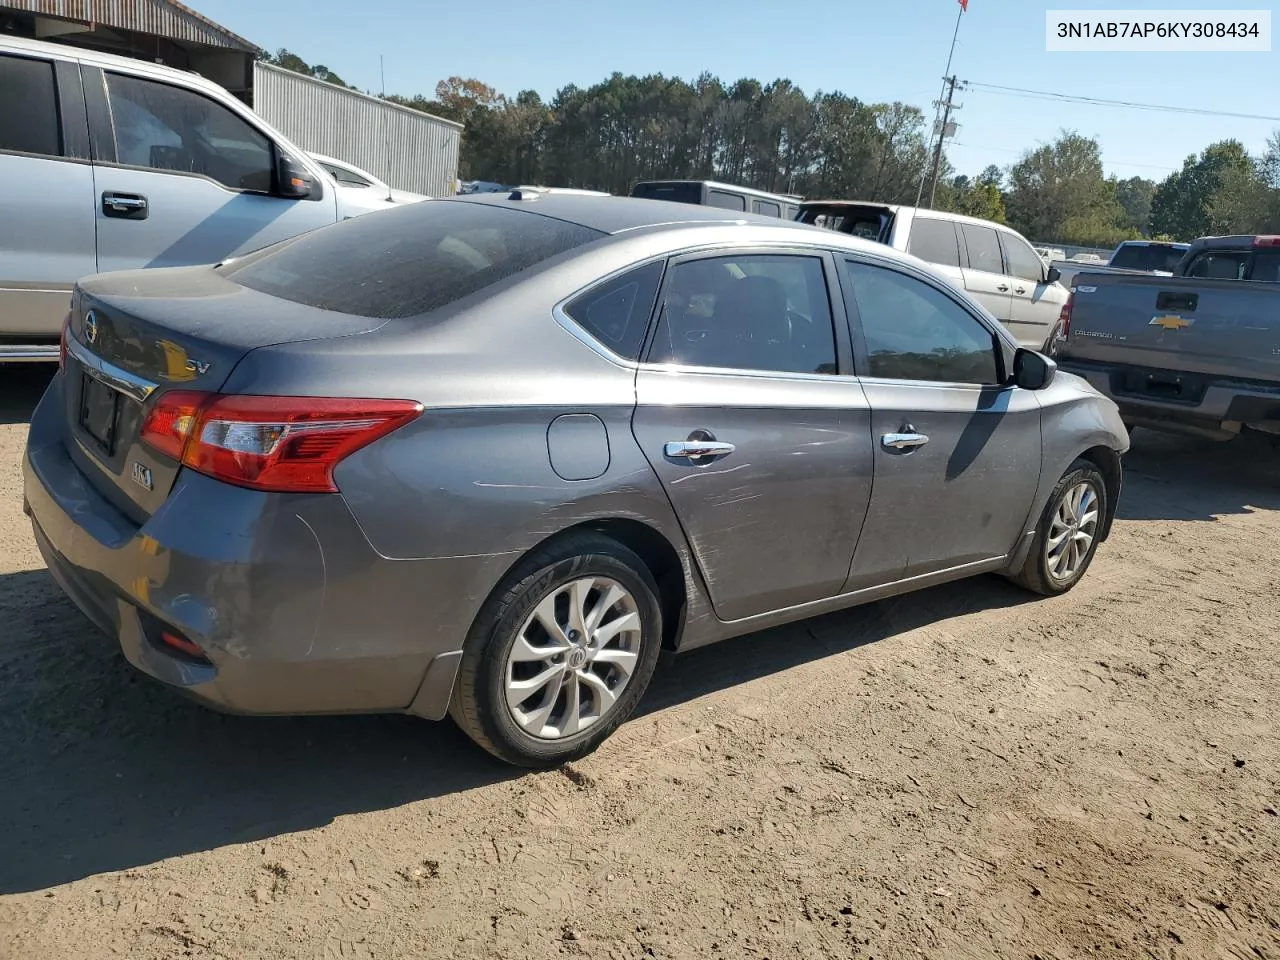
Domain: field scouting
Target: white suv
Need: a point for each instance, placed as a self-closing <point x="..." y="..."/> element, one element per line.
<point x="992" y="263"/>
<point x="108" y="163"/>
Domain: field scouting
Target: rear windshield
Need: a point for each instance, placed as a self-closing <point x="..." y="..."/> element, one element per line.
<point x="869" y="223"/>
<point x="1145" y="257"/>
<point x="408" y="261"/>
<point x="688" y="192"/>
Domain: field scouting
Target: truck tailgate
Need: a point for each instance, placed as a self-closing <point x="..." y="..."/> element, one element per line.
<point x="1220" y="328"/>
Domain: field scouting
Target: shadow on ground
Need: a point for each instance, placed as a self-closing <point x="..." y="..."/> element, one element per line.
<point x="21" y="386"/>
<point x="104" y="769"/>
<point x="1168" y="477"/>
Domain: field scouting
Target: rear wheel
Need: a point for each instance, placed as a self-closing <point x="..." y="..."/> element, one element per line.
<point x="1067" y="535"/>
<point x="561" y="655"/>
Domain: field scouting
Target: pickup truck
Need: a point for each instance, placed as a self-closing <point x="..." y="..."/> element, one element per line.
<point x="993" y="264"/>
<point x="1197" y="352"/>
<point x="1132" y="256"/>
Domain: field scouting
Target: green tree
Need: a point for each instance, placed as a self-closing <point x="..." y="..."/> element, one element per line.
<point x="1181" y="206"/>
<point x="291" y="61"/>
<point x="1134" y="196"/>
<point x="1057" y="193"/>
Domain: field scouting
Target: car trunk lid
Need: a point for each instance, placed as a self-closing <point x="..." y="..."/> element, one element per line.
<point x="135" y="335"/>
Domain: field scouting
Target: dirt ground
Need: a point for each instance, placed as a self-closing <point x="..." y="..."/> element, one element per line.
<point x="959" y="773"/>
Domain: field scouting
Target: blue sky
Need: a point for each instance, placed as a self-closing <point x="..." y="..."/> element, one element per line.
<point x="876" y="51"/>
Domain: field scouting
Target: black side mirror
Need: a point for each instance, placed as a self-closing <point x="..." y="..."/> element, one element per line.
<point x="295" y="181"/>
<point x="1053" y="276"/>
<point x="1032" y="370"/>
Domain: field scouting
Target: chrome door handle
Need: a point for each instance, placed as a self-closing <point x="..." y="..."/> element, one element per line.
<point x="129" y="206"/>
<point x="903" y="441"/>
<point x="1002" y="287"/>
<point x="696" y="449"/>
<point x="1020" y="290"/>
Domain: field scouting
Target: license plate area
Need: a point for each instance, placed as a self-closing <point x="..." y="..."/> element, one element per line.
<point x="99" y="413"/>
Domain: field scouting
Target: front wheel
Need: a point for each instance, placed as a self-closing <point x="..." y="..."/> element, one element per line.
<point x="1067" y="535"/>
<point x="561" y="655"/>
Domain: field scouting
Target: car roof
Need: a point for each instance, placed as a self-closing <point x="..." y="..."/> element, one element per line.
<point x="620" y="214"/>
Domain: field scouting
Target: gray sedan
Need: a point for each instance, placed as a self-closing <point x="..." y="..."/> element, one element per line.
<point x="490" y="456"/>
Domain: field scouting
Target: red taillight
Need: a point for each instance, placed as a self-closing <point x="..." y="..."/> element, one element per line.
<point x="1064" y="318"/>
<point x="1270" y="241"/>
<point x="281" y="444"/>
<point x="62" y="342"/>
<point x="172" y="420"/>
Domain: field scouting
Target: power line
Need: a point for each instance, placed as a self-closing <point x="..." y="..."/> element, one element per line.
<point x="1099" y="102"/>
<point x="1018" y="153"/>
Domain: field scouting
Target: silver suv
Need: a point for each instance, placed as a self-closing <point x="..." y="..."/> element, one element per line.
<point x="108" y="163"/>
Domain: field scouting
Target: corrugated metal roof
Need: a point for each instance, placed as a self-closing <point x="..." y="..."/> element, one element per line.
<point x="165" y="18"/>
<point x="405" y="148"/>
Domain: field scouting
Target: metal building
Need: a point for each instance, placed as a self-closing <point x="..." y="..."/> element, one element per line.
<point x="162" y="31"/>
<point x="408" y="149"/>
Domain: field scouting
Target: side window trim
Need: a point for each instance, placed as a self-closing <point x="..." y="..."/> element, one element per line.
<point x="106" y="138"/>
<point x="73" y="116"/>
<point x="561" y="313"/>
<point x="863" y="356"/>
<point x="840" y="325"/>
<point x="102" y="135"/>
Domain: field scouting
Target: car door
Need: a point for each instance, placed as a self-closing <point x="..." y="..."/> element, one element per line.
<point x="1036" y="305"/>
<point x="182" y="179"/>
<point x="984" y="272"/>
<point x="46" y="200"/>
<point x="755" y="427"/>
<point x="957" y="452"/>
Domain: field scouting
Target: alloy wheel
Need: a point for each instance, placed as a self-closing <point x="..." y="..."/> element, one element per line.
<point x="1072" y="531"/>
<point x="573" y="657"/>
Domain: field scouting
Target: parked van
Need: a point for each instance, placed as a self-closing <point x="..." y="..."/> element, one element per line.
<point x="109" y="163"/>
<point x="992" y="263"/>
<point x="712" y="194"/>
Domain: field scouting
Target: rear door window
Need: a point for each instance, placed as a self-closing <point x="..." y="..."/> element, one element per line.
<point x="934" y="241"/>
<point x="617" y="312"/>
<point x="767" y="208"/>
<point x="984" y="248"/>
<point x="28" y="107"/>
<point x="1024" y="262"/>
<point x="729" y="201"/>
<point x="409" y="260"/>
<point x="1266" y="266"/>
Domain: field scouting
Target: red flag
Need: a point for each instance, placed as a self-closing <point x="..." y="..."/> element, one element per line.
<point x="964" y="6"/>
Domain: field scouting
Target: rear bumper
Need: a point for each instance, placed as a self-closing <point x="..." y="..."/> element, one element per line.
<point x="294" y="610"/>
<point x="1210" y="403"/>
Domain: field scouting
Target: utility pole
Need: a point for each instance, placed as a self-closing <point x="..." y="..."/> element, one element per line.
<point x="948" y="89"/>
<point x="947" y="106"/>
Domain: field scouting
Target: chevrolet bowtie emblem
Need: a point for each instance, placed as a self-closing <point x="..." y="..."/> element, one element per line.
<point x="1170" y="322"/>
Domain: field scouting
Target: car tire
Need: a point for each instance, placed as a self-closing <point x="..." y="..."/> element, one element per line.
<point x="1067" y="513"/>
<point x="540" y="587"/>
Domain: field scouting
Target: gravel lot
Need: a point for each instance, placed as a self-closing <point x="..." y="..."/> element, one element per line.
<point x="959" y="773"/>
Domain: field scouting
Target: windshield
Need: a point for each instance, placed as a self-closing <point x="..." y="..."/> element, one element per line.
<point x="408" y="260"/>
<point x="1148" y="257"/>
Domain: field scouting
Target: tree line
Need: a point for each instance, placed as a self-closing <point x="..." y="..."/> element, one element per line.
<point x="775" y="137"/>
